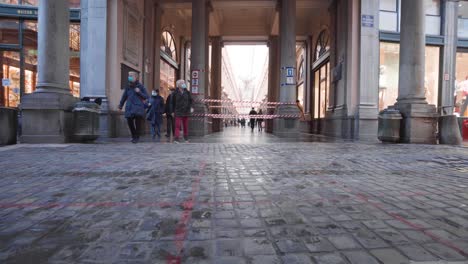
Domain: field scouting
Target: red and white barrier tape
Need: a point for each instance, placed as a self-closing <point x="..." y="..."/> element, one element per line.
<point x="244" y="102"/>
<point x="231" y="106"/>
<point x="246" y="116"/>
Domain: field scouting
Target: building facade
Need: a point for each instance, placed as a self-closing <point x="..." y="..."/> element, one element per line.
<point x="343" y="55"/>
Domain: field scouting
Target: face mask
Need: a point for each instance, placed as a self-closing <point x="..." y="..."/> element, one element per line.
<point x="131" y="79"/>
<point x="154" y="93"/>
<point x="184" y="86"/>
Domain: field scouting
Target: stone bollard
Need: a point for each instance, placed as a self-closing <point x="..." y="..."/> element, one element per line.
<point x="449" y="132"/>
<point x="8" y="125"/>
<point x="389" y="126"/>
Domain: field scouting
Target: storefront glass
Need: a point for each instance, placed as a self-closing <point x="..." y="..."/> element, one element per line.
<point x="10" y="73"/>
<point x="389" y="68"/>
<point x="167" y="79"/>
<point x="9" y="31"/>
<point x="461" y="84"/>
<point x="321" y="90"/>
<point x="463" y="19"/>
<point x="73" y="3"/>
<point x="9" y="2"/>
<point x="27" y="53"/>
<point x="390" y="16"/>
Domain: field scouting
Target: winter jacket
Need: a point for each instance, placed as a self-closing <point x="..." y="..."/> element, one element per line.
<point x="135" y="102"/>
<point x="155" y="110"/>
<point x="169" y="108"/>
<point x="182" y="101"/>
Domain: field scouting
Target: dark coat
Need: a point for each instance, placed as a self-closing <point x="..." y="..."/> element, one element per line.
<point x="182" y="103"/>
<point x="253" y="112"/>
<point x="135" y="102"/>
<point x="169" y="108"/>
<point x="155" y="110"/>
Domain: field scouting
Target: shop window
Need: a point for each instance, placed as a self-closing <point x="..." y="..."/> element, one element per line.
<point x="168" y="45"/>
<point x="75" y="59"/>
<point x="322" y="45"/>
<point x="389" y="74"/>
<point x="300" y="58"/>
<point x="390" y="16"/>
<point x="30" y="55"/>
<point x="321" y="90"/>
<point x="9" y="31"/>
<point x="463" y="19"/>
<point x="73" y="3"/>
<point x="9" y="2"/>
<point x="461" y="84"/>
<point x="11" y="73"/>
<point x="167" y="79"/>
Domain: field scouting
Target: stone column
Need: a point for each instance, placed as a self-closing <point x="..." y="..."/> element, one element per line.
<point x="93" y="56"/>
<point x="273" y="78"/>
<point x="47" y="116"/>
<point x="419" y="118"/>
<point x="369" y="69"/>
<point x="199" y="64"/>
<point x="216" y="66"/>
<point x="450" y="32"/>
<point x="288" y="127"/>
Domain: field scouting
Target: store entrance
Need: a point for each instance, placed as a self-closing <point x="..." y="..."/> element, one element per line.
<point x="10" y="73"/>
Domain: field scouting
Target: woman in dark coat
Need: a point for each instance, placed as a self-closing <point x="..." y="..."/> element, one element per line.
<point x="155" y="114"/>
<point x="134" y="97"/>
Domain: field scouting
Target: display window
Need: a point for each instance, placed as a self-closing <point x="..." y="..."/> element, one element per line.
<point x="167" y="78"/>
<point x="461" y="84"/>
<point x="389" y="74"/>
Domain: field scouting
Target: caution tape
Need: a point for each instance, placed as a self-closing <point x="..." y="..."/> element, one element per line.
<point x="247" y="116"/>
<point x="243" y="102"/>
<point x="231" y="106"/>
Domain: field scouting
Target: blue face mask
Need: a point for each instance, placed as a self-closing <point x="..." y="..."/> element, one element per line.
<point x="184" y="86"/>
<point x="131" y="79"/>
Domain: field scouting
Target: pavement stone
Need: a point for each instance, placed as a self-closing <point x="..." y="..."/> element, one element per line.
<point x="267" y="202"/>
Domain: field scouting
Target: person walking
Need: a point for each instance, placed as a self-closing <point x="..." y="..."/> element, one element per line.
<point x="182" y="109"/>
<point x="154" y="114"/>
<point x="134" y="97"/>
<point x="260" y="121"/>
<point x="169" y="110"/>
<point x="252" y="120"/>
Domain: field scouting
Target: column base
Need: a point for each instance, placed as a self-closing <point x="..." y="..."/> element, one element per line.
<point x="198" y="126"/>
<point x="47" y="118"/>
<point x="286" y="127"/>
<point x="419" y="124"/>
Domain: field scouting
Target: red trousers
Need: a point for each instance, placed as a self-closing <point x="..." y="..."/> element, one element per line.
<point x="184" y="121"/>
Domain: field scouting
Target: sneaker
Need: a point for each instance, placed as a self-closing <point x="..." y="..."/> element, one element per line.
<point x="187" y="141"/>
<point x="176" y="141"/>
<point x="135" y="140"/>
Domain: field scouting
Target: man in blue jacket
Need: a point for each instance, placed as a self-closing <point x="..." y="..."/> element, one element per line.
<point x="135" y="97"/>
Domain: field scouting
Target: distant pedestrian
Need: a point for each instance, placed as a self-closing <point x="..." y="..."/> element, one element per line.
<point x="301" y="110"/>
<point x="134" y="97"/>
<point x="155" y="113"/>
<point x="169" y="110"/>
<point x="252" y="119"/>
<point x="182" y="109"/>
<point x="260" y="121"/>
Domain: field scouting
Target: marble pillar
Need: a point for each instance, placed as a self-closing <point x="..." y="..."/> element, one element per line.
<point x="47" y="116"/>
<point x="287" y="127"/>
<point x="215" y="84"/>
<point x="273" y="77"/>
<point x="93" y="56"/>
<point x="419" y="123"/>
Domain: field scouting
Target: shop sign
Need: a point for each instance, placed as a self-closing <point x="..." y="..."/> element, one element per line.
<point x="31" y="12"/>
<point x="195" y="81"/>
<point x="367" y="21"/>
<point x="6" y="82"/>
<point x="446" y="77"/>
<point x="289" y="72"/>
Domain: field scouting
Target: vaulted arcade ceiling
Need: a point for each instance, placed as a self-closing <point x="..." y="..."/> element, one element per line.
<point x="247" y="18"/>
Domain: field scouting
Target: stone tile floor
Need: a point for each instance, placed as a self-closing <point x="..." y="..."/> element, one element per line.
<point x="270" y="202"/>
